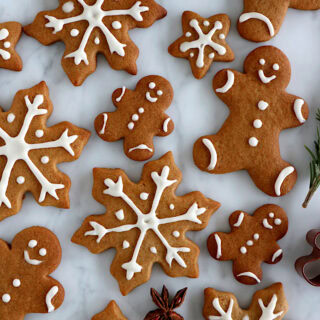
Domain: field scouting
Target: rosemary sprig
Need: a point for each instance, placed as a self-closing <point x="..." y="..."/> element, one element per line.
<point x="314" y="166"/>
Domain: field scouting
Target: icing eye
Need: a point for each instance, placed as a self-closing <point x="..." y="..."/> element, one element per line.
<point x="42" y="252"/>
<point x="32" y="244"/>
<point x="276" y="67"/>
<point x="262" y="62"/>
<point x="159" y="93"/>
<point x="271" y="215"/>
<point x="152" y="85"/>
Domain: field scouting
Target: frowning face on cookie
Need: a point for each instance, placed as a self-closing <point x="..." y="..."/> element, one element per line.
<point x="270" y="66"/>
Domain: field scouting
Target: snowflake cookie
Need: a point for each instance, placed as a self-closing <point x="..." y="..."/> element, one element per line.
<point x="260" y="108"/>
<point x="252" y="240"/>
<point x="25" y="285"/>
<point x="112" y="312"/>
<point x="30" y="152"/>
<point x="203" y="41"/>
<point x="261" y="20"/>
<point x="266" y="304"/>
<point x="10" y="33"/>
<point x="139" y="117"/>
<point x="89" y="27"/>
<point x="146" y="223"/>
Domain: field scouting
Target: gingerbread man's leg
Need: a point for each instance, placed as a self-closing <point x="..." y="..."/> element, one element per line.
<point x="247" y="275"/>
<point x="138" y="146"/>
<point x="305" y="4"/>
<point x="276" y="179"/>
<point x="261" y="20"/>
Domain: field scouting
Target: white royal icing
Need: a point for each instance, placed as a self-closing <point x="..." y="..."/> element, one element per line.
<point x="27" y="259"/>
<point x="4" y="34"/>
<point x="105" y="119"/>
<point x="39" y="133"/>
<point x="165" y="124"/>
<point x="154" y="250"/>
<point x="229" y="84"/>
<point x="203" y="41"/>
<point x="282" y="176"/>
<point x="43" y="252"/>
<point x="50" y="295"/>
<point x="257" y="124"/>
<point x="141" y="147"/>
<point x="120" y="214"/>
<point x="266" y="224"/>
<point x="243" y="250"/>
<point x="147" y="221"/>
<point x="176" y="234"/>
<point x="45" y="159"/>
<point x="6" y="298"/>
<point x="213" y="154"/>
<point x="122" y="94"/>
<point x="7" y="44"/>
<point x="16" y="283"/>
<point x="262" y="105"/>
<point x="11" y="117"/>
<point x="144" y="196"/>
<point x="171" y="206"/>
<point x="256" y="236"/>
<point x="255" y="15"/>
<point x="253" y="142"/>
<point x="97" y="40"/>
<point x="219" y="249"/>
<point x="298" y="104"/>
<point x="74" y="32"/>
<point x="21" y="180"/>
<point x="125" y="244"/>
<point x="240" y="219"/>
<point x="68" y="7"/>
<point x="32" y="244"/>
<point x="116" y="25"/>
<point x="224" y="315"/>
<point x="250" y="275"/>
<point x="264" y="79"/>
<point x="276" y="67"/>
<point x="268" y="311"/>
<point x="262" y="62"/>
<point x="130" y="125"/>
<point x="276" y="255"/>
<point x="94" y="15"/>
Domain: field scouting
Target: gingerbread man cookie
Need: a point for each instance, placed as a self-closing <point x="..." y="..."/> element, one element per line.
<point x="25" y="285"/>
<point x="146" y="223"/>
<point x="139" y="117"/>
<point x="266" y="304"/>
<point x="252" y="240"/>
<point x="89" y="27"/>
<point x="261" y="20"/>
<point x="30" y="152"/>
<point x="260" y="109"/>
<point x="10" y="33"/>
<point x="112" y="312"/>
<point x="203" y="41"/>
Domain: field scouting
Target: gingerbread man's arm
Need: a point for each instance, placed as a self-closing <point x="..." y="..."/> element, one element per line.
<point x="305" y="4"/>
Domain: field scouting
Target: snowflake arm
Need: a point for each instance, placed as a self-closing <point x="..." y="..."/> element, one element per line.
<point x="268" y="311"/>
<point x="223" y="315"/>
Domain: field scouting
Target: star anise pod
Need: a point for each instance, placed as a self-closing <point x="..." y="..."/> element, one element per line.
<point x="165" y="311"/>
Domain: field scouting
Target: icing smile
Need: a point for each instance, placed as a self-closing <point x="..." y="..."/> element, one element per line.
<point x="151" y="99"/>
<point x="27" y="258"/>
<point x="264" y="78"/>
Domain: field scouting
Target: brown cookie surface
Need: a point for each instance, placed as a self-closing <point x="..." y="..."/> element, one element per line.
<point x="260" y="108"/>
<point x="89" y="27"/>
<point x="139" y="117"/>
<point x="203" y="42"/>
<point x="252" y="240"/>
<point x="25" y="266"/>
<point x="30" y="152"/>
<point x="266" y="304"/>
<point x="10" y="33"/>
<point x="146" y="223"/>
<point x="261" y="20"/>
<point x="111" y="312"/>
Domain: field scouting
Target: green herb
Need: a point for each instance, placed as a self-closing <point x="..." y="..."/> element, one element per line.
<point x="314" y="166"/>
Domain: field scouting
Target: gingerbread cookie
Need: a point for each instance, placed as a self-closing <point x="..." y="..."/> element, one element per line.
<point x="30" y="152"/>
<point x="203" y="41"/>
<point x="252" y="240"/>
<point x="261" y="20"/>
<point x="266" y="304"/>
<point x="146" y="223"/>
<point x="260" y="109"/>
<point x="89" y="27"/>
<point x="139" y="117"/>
<point x="112" y="312"/>
<point x="10" y="33"/>
<point x="25" y="285"/>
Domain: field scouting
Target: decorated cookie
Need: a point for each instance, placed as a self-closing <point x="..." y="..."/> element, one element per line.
<point x="252" y="240"/>
<point x="146" y="223"/>
<point x="304" y="262"/>
<point x="261" y="20"/>
<point x="10" y="33"/>
<point x="266" y="304"/>
<point x="203" y="41"/>
<point x="30" y="152"/>
<point x="111" y="312"/>
<point x="260" y="109"/>
<point x="89" y="27"/>
<point x="139" y="117"/>
<point x="25" y="285"/>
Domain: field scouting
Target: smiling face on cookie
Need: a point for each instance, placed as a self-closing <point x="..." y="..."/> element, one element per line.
<point x="270" y="66"/>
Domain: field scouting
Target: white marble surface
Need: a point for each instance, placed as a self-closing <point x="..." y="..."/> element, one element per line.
<point x="196" y="111"/>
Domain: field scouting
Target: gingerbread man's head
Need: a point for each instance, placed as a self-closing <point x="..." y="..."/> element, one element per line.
<point x="270" y="65"/>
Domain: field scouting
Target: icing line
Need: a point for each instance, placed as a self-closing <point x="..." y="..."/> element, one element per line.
<point x="213" y="154"/>
<point x="229" y="83"/>
<point x="259" y="16"/>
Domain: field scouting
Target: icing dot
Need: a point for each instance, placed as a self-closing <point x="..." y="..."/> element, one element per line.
<point x="152" y="85"/>
<point x="243" y="250"/>
<point x="32" y="243"/>
<point x="153" y="250"/>
<point x="222" y="36"/>
<point x="135" y="117"/>
<point x="43" y="252"/>
<point x="45" y="159"/>
<point x="116" y="25"/>
<point x="276" y="67"/>
<point x="131" y="125"/>
<point x="120" y="215"/>
<point x="262" y="105"/>
<point x="144" y="196"/>
<point x="141" y="110"/>
<point x="271" y="215"/>
<point x="211" y="55"/>
<point x="176" y="234"/>
<point x="257" y="123"/>
<point x="159" y="92"/>
<point x="68" y="7"/>
<point x="6" y="298"/>
<point x="277" y="222"/>
<point x="125" y="244"/>
<point x="96" y="40"/>
<point x="191" y="54"/>
<point x="21" y="180"/>
<point x="11" y="117"/>
<point x="262" y="62"/>
<point x="39" y="133"/>
<point x="206" y="23"/>
<point x="250" y="243"/>
<point x="253" y="141"/>
<point x="256" y="236"/>
<point x="171" y="206"/>
<point x="16" y="283"/>
<point x="7" y="44"/>
<point x="188" y="34"/>
<point x="74" y="32"/>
